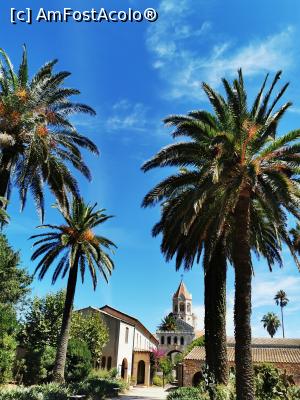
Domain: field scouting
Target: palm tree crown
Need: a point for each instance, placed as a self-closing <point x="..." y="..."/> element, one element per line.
<point x="271" y="323"/>
<point x="168" y="324"/>
<point x="73" y="242"/>
<point x="281" y="299"/>
<point x="37" y="138"/>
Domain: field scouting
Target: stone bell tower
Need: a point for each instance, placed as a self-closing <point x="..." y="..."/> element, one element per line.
<point x="182" y="305"/>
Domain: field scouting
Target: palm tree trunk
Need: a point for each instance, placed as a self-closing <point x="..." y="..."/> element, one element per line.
<point x="62" y="345"/>
<point x="282" y="324"/>
<point x="242" y="308"/>
<point x="5" y="172"/>
<point x="215" y="315"/>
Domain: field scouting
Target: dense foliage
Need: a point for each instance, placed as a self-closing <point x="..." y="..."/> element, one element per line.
<point x="39" y="335"/>
<point x="14" y="287"/>
<point x="94" y="388"/>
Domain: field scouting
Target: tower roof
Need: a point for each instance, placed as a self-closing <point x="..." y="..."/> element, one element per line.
<point x="182" y="291"/>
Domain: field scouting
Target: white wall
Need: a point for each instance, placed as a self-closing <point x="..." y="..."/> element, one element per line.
<point x="142" y="342"/>
<point x="125" y="350"/>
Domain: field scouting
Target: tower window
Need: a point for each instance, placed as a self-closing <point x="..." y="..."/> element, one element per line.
<point x="188" y="308"/>
<point x="182" y="308"/>
<point x="169" y="339"/>
<point x="175" y="340"/>
<point x="176" y="308"/>
<point x="162" y="340"/>
<point x="182" y="341"/>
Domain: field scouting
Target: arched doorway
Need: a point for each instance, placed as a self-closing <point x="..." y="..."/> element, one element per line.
<point x="197" y="378"/>
<point x="141" y="373"/>
<point x="176" y="358"/>
<point x="124" y="369"/>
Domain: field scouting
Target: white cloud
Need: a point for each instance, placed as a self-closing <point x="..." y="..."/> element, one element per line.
<point x="184" y="67"/>
<point x="127" y="115"/>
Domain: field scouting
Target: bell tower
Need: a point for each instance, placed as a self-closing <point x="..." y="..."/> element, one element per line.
<point x="182" y="305"/>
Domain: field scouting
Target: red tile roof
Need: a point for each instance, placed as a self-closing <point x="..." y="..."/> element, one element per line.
<point x="182" y="290"/>
<point x="272" y="355"/>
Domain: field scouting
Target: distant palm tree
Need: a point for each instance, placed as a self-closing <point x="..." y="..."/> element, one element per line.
<point x="168" y="324"/>
<point x="281" y="300"/>
<point x="78" y="248"/>
<point x="271" y="323"/>
<point x="37" y="138"/>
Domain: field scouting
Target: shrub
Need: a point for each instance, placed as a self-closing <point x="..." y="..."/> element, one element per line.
<point x="104" y="373"/>
<point x="38" y="365"/>
<point x="157" y="380"/>
<point x="78" y="365"/>
<point x="186" y="393"/>
<point x="98" y="388"/>
<point x="45" y="392"/>
<point x="271" y="383"/>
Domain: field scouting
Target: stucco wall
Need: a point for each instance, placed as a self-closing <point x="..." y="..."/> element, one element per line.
<point x="125" y="350"/>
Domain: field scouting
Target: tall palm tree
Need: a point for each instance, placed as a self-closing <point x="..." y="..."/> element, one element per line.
<point x="78" y="248"/>
<point x="282" y="301"/>
<point x="271" y="323"/>
<point x="168" y="324"/>
<point x="241" y="177"/>
<point x="37" y="138"/>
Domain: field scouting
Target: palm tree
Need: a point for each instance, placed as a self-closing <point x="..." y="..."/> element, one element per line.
<point x="37" y="138"/>
<point x="282" y="301"/>
<point x="271" y="323"/>
<point x="78" y="248"/>
<point x="241" y="178"/>
<point x="168" y="324"/>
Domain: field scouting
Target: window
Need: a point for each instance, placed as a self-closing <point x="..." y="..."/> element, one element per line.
<point x="182" y="308"/>
<point x="103" y="362"/>
<point x="175" y="340"/>
<point x="109" y="363"/>
<point x="169" y="339"/>
<point x="182" y="341"/>
<point x="188" y="308"/>
<point x="162" y="340"/>
<point x="176" y="308"/>
<point x="126" y="335"/>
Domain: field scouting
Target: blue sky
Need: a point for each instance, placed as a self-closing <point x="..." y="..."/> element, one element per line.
<point x="135" y="74"/>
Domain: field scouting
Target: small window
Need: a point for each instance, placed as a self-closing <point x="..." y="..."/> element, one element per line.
<point x="126" y="335"/>
<point x="176" y="308"/>
<point x="103" y="362"/>
<point x="109" y="363"/>
<point x="162" y="340"/>
<point x="175" y="340"/>
<point x="182" y="341"/>
<point x="182" y="308"/>
<point x="188" y="308"/>
<point x="169" y="340"/>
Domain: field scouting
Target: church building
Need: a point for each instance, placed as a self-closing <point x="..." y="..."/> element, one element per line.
<point x="176" y="341"/>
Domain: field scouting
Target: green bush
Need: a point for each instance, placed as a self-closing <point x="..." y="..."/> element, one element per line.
<point x="157" y="380"/>
<point x="104" y="373"/>
<point x="98" y="388"/>
<point x="186" y="393"/>
<point x="271" y="383"/>
<point x="45" y="392"/>
<point x="38" y="365"/>
<point x="78" y="365"/>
